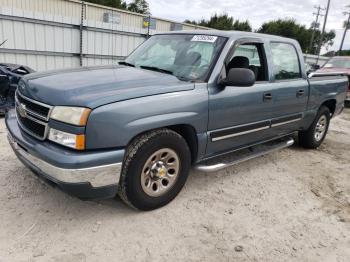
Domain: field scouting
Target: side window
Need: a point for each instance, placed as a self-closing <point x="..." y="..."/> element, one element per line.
<point x="249" y="51"/>
<point x="250" y="56"/>
<point x="285" y="61"/>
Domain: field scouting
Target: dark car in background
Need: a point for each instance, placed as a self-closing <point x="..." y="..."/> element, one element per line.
<point x="10" y="74"/>
<point x="338" y="64"/>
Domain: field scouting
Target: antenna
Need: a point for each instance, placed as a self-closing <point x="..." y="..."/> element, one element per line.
<point x="3" y="42"/>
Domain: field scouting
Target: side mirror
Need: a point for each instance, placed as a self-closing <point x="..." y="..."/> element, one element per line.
<point x="239" y="77"/>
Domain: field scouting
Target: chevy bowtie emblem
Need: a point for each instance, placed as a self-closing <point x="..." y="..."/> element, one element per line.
<point x="22" y="110"/>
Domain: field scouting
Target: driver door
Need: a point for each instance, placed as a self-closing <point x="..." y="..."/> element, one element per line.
<point x="240" y="116"/>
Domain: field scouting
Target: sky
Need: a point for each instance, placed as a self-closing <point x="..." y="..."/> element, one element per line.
<point x="257" y="12"/>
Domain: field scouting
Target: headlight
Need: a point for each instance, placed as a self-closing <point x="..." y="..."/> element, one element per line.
<point x="72" y="115"/>
<point x="70" y="140"/>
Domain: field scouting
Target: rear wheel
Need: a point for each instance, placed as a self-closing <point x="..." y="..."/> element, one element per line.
<point x="155" y="169"/>
<point x="314" y="136"/>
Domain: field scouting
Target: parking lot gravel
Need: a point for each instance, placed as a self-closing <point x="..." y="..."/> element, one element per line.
<point x="291" y="205"/>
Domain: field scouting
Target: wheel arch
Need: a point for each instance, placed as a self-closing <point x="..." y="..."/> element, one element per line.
<point x="331" y="104"/>
<point x="188" y="132"/>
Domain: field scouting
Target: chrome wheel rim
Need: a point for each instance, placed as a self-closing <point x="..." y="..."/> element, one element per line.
<point x="321" y="127"/>
<point x="160" y="172"/>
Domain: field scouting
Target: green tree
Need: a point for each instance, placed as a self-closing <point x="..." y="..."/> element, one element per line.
<point x="192" y="22"/>
<point x="139" y="6"/>
<point x="328" y="40"/>
<point x="223" y="22"/>
<point x="334" y="53"/>
<point x="242" y="26"/>
<point x="291" y="29"/>
<point x="121" y="4"/>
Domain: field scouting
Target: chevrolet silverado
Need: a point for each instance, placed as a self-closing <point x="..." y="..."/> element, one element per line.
<point x="207" y="99"/>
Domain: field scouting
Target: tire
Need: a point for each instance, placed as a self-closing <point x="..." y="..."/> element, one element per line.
<point x="315" y="135"/>
<point x="145" y="189"/>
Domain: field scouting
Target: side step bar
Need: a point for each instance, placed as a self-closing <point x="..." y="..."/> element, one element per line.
<point x="237" y="157"/>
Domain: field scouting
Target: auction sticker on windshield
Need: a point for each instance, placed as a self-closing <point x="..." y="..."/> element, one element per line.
<point x="204" y="38"/>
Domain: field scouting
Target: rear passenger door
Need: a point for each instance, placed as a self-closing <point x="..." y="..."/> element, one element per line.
<point x="290" y="87"/>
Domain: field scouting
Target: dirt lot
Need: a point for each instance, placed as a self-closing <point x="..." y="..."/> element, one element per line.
<point x="292" y="205"/>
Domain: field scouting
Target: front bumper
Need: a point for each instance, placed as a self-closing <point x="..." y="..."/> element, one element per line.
<point x="87" y="175"/>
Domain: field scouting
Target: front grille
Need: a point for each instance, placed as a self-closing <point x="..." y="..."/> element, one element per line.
<point x="34" y="108"/>
<point x="32" y="127"/>
<point x="32" y="116"/>
<point x="38" y="109"/>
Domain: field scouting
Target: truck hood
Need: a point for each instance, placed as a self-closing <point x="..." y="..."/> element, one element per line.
<point x="95" y="86"/>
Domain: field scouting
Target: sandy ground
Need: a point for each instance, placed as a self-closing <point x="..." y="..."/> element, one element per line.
<point x="292" y="205"/>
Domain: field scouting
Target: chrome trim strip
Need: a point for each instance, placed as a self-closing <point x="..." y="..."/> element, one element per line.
<point x="243" y="125"/>
<point x="286" y="122"/>
<point x="97" y="176"/>
<point x="311" y="75"/>
<point x="239" y="134"/>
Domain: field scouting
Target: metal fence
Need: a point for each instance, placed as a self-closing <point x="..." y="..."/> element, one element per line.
<point x="54" y="34"/>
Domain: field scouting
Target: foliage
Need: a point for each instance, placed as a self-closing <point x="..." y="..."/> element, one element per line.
<point x="344" y="53"/>
<point x="223" y="22"/>
<point x="334" y="53"/>
<point x="137" y="6"/>
<point x="290" y="28"/>
<point x="111" y="3"/>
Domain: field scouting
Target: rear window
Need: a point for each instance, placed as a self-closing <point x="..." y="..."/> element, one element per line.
<point x="285" y="61"/>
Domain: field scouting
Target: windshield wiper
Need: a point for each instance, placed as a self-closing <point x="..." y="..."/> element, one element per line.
<point x="126" y="64"/>
<point x="157" y="69"/>
<point x="165" y="71"/>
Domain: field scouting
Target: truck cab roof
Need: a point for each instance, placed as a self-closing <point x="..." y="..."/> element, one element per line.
<point x="234" y="35"/>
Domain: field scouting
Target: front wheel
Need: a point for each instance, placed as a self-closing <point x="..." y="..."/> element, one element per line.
<point x="314" y="136"/>
<point x="155" y="169"/>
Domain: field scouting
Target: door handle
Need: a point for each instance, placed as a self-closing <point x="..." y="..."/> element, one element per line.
<point x="300" y="93"/>
<point x="267" y="97"/>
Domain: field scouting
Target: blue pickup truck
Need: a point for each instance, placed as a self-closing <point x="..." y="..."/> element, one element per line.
<point x="207" y="99"/>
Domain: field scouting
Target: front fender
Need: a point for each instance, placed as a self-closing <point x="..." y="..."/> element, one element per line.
<point x="115" y="125"/>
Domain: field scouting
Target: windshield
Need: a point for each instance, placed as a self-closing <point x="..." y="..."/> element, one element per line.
<point x="188" y="57"/>
<point x="338" y="62"/>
